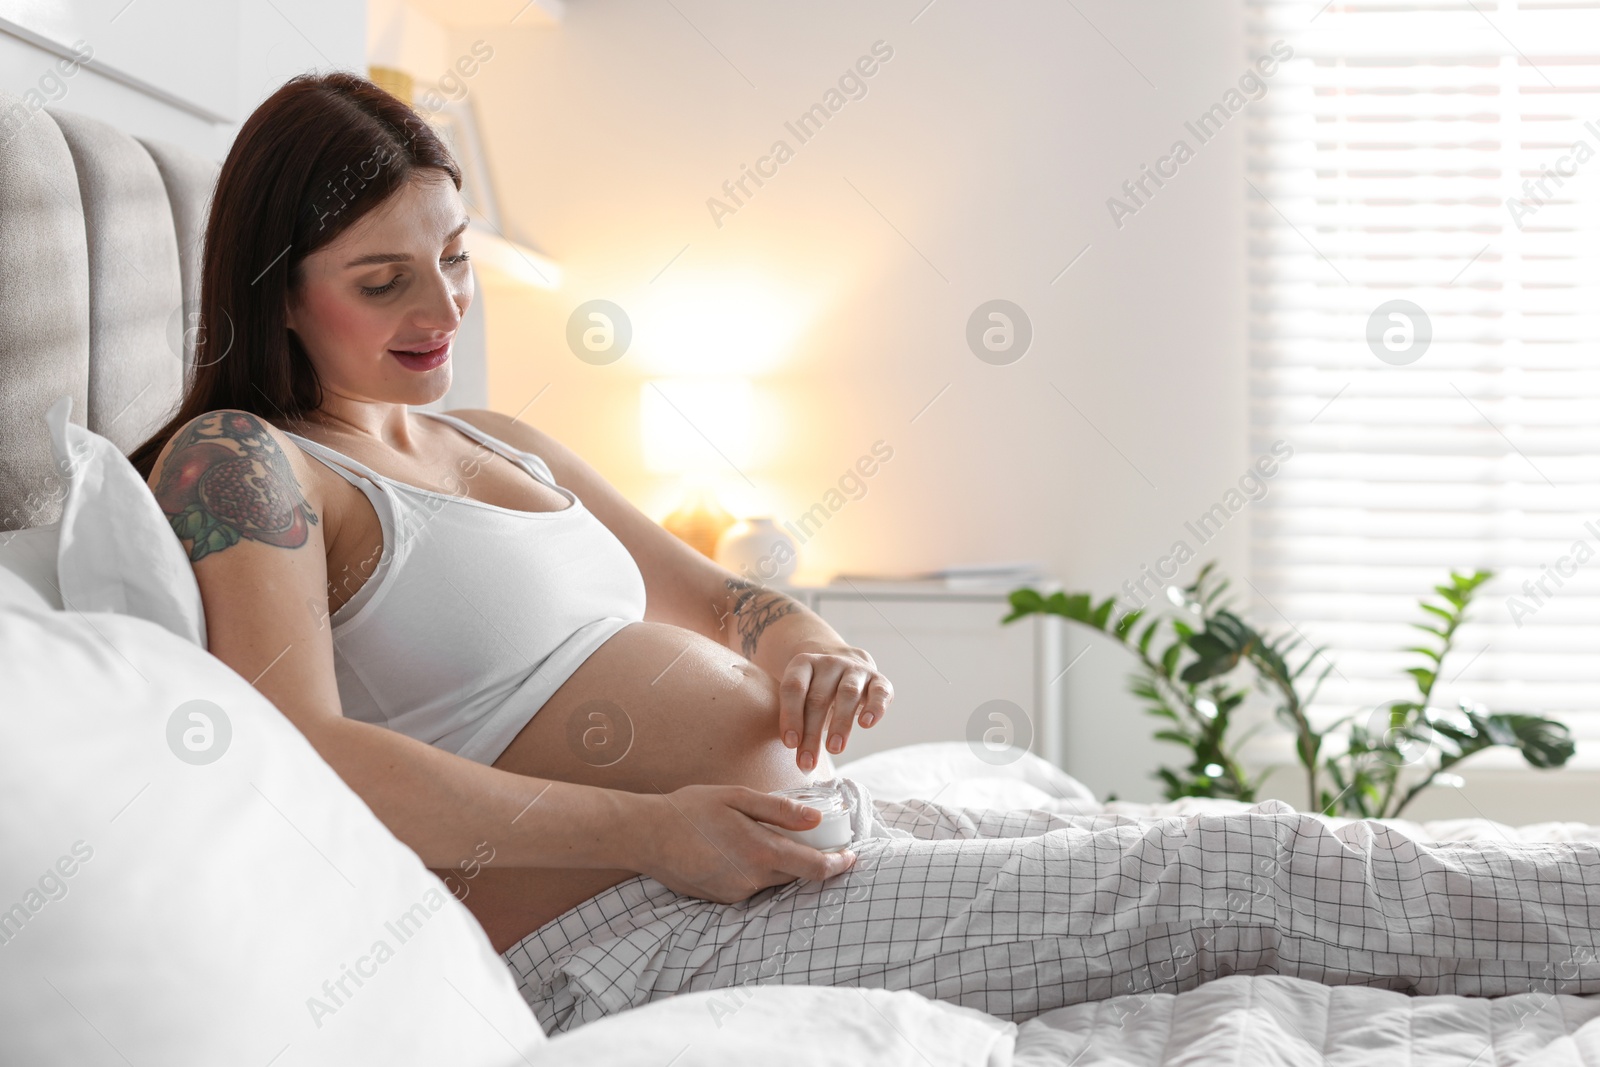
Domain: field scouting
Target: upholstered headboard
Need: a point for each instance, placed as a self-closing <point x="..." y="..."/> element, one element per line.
<point x="100" y="247"/>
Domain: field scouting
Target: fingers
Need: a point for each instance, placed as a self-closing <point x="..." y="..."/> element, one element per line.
<point x="819" y="689"/>
<point x="852" y="686"/>
<point x="787" y="856"/>
<point x="792" y="690"/>
<point x="802" y="861"/>
<point x="768" y="858"/>
<point x="721" y="844"/>
<point x="793" y="861"/>
<point x="879" y="694"/>
<point x="779" y="811"/>
<point x="824" y="683"/>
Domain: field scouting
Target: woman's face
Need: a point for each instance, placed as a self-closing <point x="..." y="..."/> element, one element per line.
<point x="378" y="307"/>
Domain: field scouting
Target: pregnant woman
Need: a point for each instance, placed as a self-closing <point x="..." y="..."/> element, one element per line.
<point x="577" y="720"/>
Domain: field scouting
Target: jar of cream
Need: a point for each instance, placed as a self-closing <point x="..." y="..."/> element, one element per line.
<point x="833" y="833"/>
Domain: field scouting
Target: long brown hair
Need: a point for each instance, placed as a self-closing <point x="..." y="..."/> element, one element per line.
<point x="317" y="155"/>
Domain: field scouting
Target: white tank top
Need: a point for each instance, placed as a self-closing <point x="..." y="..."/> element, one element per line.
<point x="473" y="614"/>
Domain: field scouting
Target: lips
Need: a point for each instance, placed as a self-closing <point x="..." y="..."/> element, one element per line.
<point x="422" y="359"/>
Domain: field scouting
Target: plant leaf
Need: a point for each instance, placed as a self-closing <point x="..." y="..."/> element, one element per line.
<point x="1127" y="623"/>
<point x="1075" y="606"/>
<point x="1447" y="616"/>
<point x="1149" y="632"/>
<point x="1543" y="742"/>
<point x="1424" y="677"/>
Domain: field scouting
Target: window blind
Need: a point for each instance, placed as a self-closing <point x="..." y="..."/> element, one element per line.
<point x="1448" y="155"/>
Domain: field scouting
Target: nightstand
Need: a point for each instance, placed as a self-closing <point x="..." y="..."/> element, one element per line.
<point x="958" y="673"/>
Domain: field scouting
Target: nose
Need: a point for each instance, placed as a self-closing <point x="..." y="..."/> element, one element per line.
<point x="443" y="304"/>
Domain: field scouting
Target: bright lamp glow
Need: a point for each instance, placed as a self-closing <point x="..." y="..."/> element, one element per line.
<point x="697" y="427"/>
<point x="723" y="326"/>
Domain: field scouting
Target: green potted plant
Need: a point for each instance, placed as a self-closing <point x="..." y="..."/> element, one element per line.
<point x="1197" y="663"/>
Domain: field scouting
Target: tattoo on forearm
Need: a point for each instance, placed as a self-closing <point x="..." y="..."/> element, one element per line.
<point x="215" y="494"/>
<point x="755" y="607"/>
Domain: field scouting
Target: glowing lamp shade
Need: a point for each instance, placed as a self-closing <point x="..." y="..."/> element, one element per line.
<point x="717" y="326"/>
<point x="700" y="428"/>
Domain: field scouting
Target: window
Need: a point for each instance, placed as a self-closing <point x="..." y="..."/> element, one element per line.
<point x="1446" y="155"/>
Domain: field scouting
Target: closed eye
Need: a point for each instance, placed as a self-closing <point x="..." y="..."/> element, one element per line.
<point x="379" y="290"/>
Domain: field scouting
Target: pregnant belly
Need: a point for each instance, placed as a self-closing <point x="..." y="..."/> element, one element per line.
<point x="655" y="708"/>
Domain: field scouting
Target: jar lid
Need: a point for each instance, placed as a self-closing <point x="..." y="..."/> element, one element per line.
<point x="825" y="798"/>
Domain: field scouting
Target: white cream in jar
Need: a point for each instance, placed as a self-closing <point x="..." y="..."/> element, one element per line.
<point x="833" y="833"/>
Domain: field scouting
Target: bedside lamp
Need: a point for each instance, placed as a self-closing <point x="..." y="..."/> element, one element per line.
<point x="700" y="430"/>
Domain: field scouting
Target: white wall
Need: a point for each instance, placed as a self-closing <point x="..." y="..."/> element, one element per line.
<point x="989" y="143"/>
<point x="203" y="64"/>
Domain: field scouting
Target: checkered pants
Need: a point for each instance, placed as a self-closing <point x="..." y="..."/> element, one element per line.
<point x="1018" y="912"/>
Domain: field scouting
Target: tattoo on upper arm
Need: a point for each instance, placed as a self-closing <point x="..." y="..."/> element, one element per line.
<point x="756" y="607"/>
<point x="216" y="493"/>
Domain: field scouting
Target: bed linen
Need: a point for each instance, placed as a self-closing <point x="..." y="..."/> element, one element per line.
<point x="186" y="882"/>
<point x="115" y="549"/>
<point x="1019" y="912"/>
<point x="1235" y="1020"/>
<point x="1280" y="1020"/>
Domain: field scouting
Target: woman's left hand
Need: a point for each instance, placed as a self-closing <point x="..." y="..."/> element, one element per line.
<point x="820" y="677"/>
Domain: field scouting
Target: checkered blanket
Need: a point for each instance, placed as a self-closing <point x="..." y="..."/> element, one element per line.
<point x="1019" y="912"/>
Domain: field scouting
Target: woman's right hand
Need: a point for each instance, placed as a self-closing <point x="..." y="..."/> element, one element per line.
<point x="707" y="841"/>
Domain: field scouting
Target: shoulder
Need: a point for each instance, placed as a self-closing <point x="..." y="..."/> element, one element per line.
<point x="229" y="476"/>
<point x="235" y="458"/>
<point x="229" y="433"/>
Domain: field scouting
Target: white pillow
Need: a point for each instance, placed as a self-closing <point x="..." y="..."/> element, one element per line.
<point x="779" y="1025"/>
<point x="177" y="911"/>
<point x="951" y="773"/>
<point x="28" y="560"/>
<point x="118" y="551"/>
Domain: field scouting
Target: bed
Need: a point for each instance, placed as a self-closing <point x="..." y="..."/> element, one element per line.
<point x="137" y="964"/>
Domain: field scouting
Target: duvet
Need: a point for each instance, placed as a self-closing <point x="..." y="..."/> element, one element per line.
<point x="1020" y="912"/>
<point x="1204" y="1014"/>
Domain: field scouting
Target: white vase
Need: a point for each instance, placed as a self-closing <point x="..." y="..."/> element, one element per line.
<point x="758" y="550"/>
